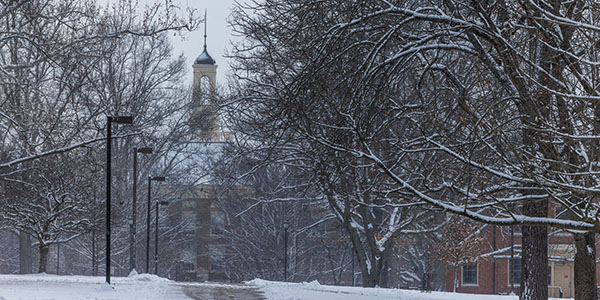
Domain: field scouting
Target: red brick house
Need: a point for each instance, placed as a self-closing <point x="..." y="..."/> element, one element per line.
<point x="491" y="274"/>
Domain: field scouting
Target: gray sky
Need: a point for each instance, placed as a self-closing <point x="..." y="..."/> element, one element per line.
<point x="218" y="32"/>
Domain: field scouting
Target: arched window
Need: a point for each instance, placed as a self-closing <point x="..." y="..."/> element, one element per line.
<point x="205" y="88"/>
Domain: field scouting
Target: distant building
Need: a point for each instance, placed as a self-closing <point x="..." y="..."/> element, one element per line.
<point x="202" y="258"/>
<point x="492" y="275"/>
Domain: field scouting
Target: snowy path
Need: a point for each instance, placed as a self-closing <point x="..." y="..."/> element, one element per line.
<point x="51" y="287"/>
<point x="226" y="291"/>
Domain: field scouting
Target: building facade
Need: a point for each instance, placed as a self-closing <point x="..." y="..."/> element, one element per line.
<point x="201" y="258"/>
<point x="492" y="274"/>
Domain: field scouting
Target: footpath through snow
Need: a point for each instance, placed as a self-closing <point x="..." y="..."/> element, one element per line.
<point x="52" y="287"/>
<point x="313" y="291"/>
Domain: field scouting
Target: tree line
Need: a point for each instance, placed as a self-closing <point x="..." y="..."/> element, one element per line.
<point x="65" y="66"/>
<point x="397" y="113"/>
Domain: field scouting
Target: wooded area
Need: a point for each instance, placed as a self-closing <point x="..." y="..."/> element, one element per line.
<point x="397" y="113"/>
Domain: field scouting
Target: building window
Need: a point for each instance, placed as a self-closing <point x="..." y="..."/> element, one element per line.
<point x="188" y="218"/>
<point x="516" y="274"/>
<point x="189" y="204"/>
<point x="217" y="222"/>
<point x="205" y="87"/>
<point x="188" y="267"/>
<point x="469" y="275"/>
<point x="217" y="258"/>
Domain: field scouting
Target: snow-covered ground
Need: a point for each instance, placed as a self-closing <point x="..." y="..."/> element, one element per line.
<point x="313" y="290"/>
<point x="52" y="287"/>
<point x="151" y="287"/>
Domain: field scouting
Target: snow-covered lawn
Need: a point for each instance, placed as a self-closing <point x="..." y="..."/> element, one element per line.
<point x="52" y="287"/>
<point x="313" y="290"/>
<point x="151" y="287"/>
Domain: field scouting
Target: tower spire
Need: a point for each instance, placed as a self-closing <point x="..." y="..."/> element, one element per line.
<point x="205" y="29"/>
<point x="204" y="58"/>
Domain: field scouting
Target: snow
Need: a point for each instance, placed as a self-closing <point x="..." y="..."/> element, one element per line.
<point x="52" y="287"/>
<point x="314" y="290"/>
<point x="151" y="287"/>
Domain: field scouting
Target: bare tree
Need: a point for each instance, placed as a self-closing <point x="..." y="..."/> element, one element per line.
<point x="50" y="108"/>
<point x="476" y="108"/>
<point x="461" y="244"/>
<point x="260" y="208"/>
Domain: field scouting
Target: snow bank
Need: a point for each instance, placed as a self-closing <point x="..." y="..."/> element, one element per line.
<point x="314" y="290"/>
<point x="147" y="278"/>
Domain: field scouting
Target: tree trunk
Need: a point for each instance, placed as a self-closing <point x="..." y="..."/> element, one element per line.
<point x="369" y="269"/>
<point x="383" y="277"/>
<point x="369" y="266"/>
<point x="534" y="274"/>
<point x="43" y="258"/>
<point x="370" y="277"/>
<point x="585" y="267"/>
<point x="25" y="253"/>
<point x="455" y="283"/>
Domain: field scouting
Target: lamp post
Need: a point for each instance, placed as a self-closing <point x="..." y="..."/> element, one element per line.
<point x="150" y="178"/>
<point x="285" y="258"/>
<point x="156" y="236"/>
<point x="109" y="120"/>
<point x="58" y="258"/>
<point x="512" y="259"/>
<point x="132" y="250"/>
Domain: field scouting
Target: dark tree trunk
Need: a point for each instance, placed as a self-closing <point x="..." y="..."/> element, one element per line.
<point x="43" y="258"/>
<point x="370" y="267"/>
<point x="370" y="274"/>
<point x="585" y="267"/>
<point x="25" y="266"/>
<point x="534" y="275"/>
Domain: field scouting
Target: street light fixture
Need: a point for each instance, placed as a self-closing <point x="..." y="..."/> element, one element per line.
<point x="132" y="229"/>
<point x="156" y="236"/>
<point x="150" y="178"/>
<point x="109" y="120"/>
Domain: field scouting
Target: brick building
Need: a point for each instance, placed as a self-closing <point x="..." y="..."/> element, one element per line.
<point x="491" y="275"/>
<point x="201" y="258"/>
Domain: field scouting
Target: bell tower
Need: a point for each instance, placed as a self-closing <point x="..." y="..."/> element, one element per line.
<point x="206" y="121"/>
<point x="205" y="67"/>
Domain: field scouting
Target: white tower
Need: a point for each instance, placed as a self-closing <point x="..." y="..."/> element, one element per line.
<point x="206" y="121"/>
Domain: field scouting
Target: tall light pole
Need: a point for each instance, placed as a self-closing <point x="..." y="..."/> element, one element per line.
<point x="285" y="259"/>
<point x="109" y="121"/>
<point x="512" y="259"/>
<point x="132" y="229"/>
<point x="150" y="178"/>
<point x="156" y="236"/>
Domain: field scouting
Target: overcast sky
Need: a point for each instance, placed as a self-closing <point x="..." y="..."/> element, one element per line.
<point x="218" y="32"/>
